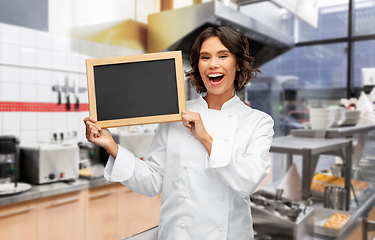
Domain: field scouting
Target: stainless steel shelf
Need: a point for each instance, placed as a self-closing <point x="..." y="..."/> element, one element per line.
<point x="340" y="132"/>
<point x="310" y="149"/>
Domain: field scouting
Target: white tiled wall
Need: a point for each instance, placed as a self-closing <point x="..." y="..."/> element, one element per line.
<point x="31" y="62"/>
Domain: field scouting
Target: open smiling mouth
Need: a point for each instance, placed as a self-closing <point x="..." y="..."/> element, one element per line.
<point x="216" y="78"/>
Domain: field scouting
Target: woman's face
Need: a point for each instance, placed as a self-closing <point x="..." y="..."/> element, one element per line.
<point x="217" y="67"/>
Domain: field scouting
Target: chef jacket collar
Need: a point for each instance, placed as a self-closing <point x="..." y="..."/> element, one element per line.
<point x="227" y="105"/>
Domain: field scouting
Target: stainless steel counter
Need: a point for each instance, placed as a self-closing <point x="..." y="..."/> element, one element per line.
<point x="366" y="203"/>
<point x="46" y="190"/>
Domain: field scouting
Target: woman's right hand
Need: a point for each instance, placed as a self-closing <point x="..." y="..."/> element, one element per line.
<point x="100" y="136"/>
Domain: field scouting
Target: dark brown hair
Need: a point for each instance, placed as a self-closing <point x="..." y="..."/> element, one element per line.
<point x="236" y="43"/>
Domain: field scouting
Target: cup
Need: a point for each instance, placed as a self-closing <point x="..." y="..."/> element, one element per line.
<point x="320" y="118"/>
<point x="334" y="197"/>
<point x="336" y="116"/>
<point x="338" y="169"/>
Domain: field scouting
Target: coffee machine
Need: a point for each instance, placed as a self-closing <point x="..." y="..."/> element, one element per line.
<point x="9" y="158"/>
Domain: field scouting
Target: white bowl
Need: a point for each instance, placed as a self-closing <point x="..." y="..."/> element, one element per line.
<point x="320" y="123"/>
<point x="319" y="112"/>
<point x="353" y="118"/>
<point x="337" y="116"/>
<point x="325" y="117"/>
<point x="352" y="113"/>
<point x="350" y="121"/>
<point x="319" y="115"/>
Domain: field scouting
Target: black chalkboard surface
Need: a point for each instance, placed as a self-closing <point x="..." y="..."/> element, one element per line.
<point x="137" y="89"/>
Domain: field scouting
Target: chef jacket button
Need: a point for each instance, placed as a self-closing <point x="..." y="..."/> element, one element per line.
<point x="226" y="139"/>
<point x="230" y="115"/>
<point x="189" y="135"/>
<point x="183" y="225"/>
<point x="221" y="199"/>
<point x="220" y="229"/>
<point x="185" y="165"/>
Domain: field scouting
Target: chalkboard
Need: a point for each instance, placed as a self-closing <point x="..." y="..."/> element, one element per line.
<point x="136" y="89"/>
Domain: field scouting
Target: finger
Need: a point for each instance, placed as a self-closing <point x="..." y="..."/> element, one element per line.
<point x="186" y="113"/>
<point x="93" y="129"/>
<point x="186" y="123"/>
<point x="86" y="119"/>
<point x="88" y="123"/>
<point x="90" y="133"/>
<point x="90" y="138"/>
<point x="89" y="119"/>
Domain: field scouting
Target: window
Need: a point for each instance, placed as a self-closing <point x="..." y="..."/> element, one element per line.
<point x="364" y="57"/>
<point x="364" y="17"/>
<point x="332" y="22"/>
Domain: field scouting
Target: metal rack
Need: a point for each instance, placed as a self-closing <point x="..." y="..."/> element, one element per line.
<point x="353" y="132"/>
<point x="310" y="149"/>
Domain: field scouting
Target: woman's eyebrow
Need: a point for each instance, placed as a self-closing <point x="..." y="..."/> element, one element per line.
<point x="224" y="51"/>
<point x="221" y="51"/>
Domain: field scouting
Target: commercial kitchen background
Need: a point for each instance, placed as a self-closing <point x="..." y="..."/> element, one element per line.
<point x="43" y="42"/>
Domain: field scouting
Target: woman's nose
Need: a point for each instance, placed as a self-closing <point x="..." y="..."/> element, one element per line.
<point x="213" y="64"/>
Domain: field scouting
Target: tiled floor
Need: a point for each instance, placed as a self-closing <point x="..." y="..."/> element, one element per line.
<point x="151" y="234"/>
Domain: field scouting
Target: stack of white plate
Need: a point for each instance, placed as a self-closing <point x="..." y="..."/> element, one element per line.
<point x="337" y="115"/>
<point x="320" y="118"/>
<point x="352" y="117"/>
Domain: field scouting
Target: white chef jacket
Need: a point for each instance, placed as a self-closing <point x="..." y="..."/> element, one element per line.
<point x="204" y="197"/>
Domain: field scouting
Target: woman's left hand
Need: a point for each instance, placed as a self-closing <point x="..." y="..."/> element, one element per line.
<point x="193" y="122"/>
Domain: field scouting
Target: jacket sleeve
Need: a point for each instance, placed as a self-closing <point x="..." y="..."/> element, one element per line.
<point x="243" y="173"/>
<point x="144" y="177"/>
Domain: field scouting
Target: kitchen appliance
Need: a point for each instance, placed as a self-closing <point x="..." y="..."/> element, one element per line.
<point x="9" y="158"/>
<point x="48" y="163"/>
<point x="335" y="197"/>
<point x="92" y="159"/>
<point x="338" y="169"/>
<point x="177" y="29"/>
<point x="88" y="154"/>
<point x="91" y="154"/>
<point x="281" y="218"/>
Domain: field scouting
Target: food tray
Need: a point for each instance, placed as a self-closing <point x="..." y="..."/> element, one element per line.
<point x="10" y="189"/>
<point x="357" y="184"/>
<point x="321" y="215"/>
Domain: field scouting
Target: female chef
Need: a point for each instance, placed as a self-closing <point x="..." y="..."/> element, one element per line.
<point x="208" y="165"/>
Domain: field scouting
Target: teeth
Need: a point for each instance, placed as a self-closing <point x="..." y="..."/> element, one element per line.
<point x="215" y="75"/>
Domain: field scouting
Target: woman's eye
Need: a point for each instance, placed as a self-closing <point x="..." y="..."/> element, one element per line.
<point x="223" y="56"/>
<point x="204" y="57"/>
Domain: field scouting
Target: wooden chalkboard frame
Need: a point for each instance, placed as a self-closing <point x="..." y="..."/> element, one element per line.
<point x="175" y="55"/>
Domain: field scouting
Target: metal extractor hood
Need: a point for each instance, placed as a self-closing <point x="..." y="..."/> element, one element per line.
<point x="177" y="29"/>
